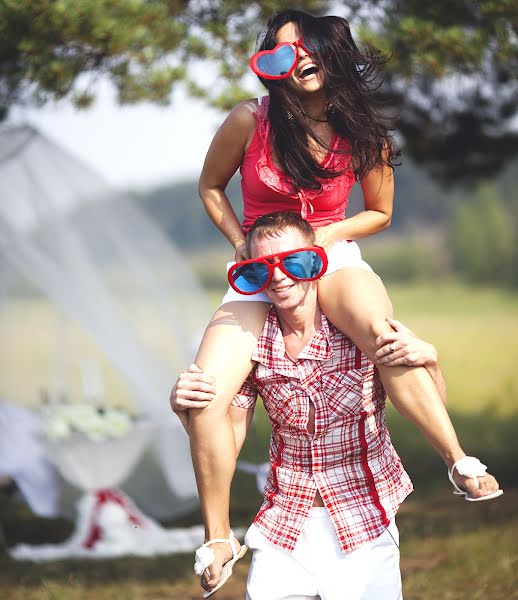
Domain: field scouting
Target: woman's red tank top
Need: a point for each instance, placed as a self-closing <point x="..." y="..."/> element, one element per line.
<point x="265" y="188"/>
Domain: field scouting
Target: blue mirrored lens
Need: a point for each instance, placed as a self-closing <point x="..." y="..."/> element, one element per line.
<point x="303" y="265"/>
<point x="311" y="43"/>
<point x="277" y="64"/>
<point x="251" y="277"/>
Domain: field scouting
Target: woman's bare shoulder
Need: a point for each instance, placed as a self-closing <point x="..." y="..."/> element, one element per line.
<point x="240" y="124"/>
<point x="243" y="114"/>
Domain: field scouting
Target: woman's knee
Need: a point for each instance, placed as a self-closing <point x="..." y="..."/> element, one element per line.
<point x="354" y="293"/>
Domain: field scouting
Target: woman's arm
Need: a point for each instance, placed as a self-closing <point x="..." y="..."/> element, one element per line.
<point x="378" y="195"/>
<point x="223" y="158"/>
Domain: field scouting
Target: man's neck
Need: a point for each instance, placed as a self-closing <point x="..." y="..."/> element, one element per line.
<point x="298" y="326"/>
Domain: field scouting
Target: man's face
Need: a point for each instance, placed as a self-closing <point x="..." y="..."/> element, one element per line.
<point x="285" y="293"/>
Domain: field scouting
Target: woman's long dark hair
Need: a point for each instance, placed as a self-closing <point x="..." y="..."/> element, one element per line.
<point x="350" y="80"/>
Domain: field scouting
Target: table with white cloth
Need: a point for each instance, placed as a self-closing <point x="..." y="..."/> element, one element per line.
<point x="108" y="524"/>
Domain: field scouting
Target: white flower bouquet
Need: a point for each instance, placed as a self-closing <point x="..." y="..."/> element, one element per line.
<point x="96" y="422"/>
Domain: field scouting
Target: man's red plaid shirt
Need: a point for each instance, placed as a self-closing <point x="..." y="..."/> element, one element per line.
<point x="349" y="458"/>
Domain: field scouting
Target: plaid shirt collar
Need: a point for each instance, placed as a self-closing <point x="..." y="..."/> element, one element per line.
<point x="271" y="351"/>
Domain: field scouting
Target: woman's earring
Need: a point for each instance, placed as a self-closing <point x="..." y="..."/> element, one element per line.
<point x="291" y="118"/>
<point x="330" y="108"/>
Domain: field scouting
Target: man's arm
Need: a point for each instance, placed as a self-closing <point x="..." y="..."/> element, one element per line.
<point x="402" y="347"/>
<point x="195" y="390"/>
<point x="241" y="419"/>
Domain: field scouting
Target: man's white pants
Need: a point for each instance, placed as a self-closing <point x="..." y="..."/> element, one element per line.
<point x="318" y="567"/>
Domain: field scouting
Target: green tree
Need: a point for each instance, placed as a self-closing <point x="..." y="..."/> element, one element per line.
<point x="481" y="239"/>
<point x="452" y="78"/>
<point x="52" y="49"/>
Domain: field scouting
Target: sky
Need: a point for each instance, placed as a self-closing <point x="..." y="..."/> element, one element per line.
<point x="131" y="147"/>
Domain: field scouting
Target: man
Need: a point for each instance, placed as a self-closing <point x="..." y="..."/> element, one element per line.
<point x="326" y="528"/>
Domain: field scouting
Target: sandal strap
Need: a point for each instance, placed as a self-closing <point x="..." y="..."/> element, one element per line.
<point x="468" y="466"/>
<point x="204" y="556"/>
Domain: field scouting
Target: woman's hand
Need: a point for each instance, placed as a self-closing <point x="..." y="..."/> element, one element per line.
<point x="327" y="236"/>
<point x="402" y="347"/>
<point x="241" y="252"/>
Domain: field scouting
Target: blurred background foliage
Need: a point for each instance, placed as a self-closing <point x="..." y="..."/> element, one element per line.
<point x="452" y="78"/>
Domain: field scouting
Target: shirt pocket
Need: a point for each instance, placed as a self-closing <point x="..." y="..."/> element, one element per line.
<point x="278" y="397"/>
<point x="343" y="393"/>
<point x="280" y="406"/>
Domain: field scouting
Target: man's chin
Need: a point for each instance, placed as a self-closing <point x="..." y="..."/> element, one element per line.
<point x="285" y="303"/>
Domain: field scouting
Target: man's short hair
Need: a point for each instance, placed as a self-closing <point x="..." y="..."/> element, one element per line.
<point x="275" y="223"/>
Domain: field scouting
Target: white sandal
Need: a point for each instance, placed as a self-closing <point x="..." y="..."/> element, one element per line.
<point x="205" y="557"/>
<point x="469" y="466"/>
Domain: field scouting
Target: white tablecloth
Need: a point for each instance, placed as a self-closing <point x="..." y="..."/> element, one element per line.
<point x="23" y="458"/>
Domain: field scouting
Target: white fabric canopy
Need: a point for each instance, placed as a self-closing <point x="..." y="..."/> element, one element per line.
<point x="99" y="258"/>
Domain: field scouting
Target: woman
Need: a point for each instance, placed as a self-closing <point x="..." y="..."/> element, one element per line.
<point x="301" y="148"/>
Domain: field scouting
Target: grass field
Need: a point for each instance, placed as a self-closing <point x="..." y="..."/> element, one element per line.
<point x="451" y="549"/>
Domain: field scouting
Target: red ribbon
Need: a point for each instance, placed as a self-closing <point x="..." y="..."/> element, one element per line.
<point x="103" y="497"/>
<point x="305" y="204"/>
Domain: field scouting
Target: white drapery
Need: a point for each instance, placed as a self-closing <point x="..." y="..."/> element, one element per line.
<point x="99" y="258"/>
<point x="23" y="459"/>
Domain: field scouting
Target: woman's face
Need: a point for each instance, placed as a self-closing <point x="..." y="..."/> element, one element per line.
<point x="306" y="77"/>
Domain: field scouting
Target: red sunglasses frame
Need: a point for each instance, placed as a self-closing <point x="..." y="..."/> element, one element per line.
<point x="275" y="260"/>
<point x="255" y="57"/>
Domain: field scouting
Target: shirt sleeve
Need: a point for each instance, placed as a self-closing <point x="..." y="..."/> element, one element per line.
<point x="247" y="395"/>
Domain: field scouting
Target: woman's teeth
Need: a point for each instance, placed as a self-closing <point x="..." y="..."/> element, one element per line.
<point x="308" y="70"/>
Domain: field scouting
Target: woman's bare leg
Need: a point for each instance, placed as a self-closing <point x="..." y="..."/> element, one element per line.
<point x="356" y="302"/>
<point x="225" y="354"/>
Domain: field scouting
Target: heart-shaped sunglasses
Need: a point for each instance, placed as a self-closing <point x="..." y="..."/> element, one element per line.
<point x="280" y="62"/>
<point x="252" y="276"/>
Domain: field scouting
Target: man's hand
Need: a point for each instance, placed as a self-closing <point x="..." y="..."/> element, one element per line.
<point x="193" y="389"/>
<point x="402" y="347"/>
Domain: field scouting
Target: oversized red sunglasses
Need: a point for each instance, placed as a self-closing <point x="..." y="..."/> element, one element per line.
<point x="280" y="62"/>
<point x="303" y="264"/>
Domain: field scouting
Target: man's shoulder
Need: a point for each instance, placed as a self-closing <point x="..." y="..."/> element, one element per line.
<point x="268" y="337"/>
<point x="345" y="354"/>
<point x="334" y="334"/>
